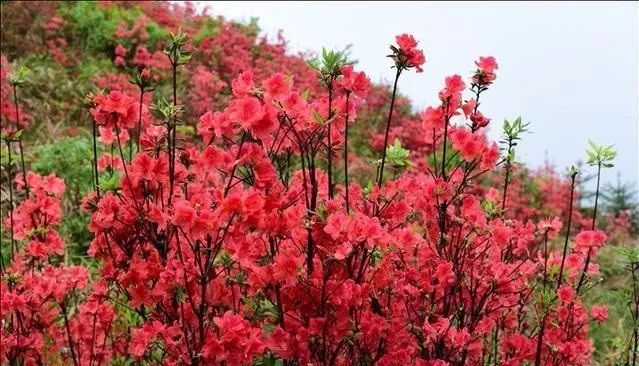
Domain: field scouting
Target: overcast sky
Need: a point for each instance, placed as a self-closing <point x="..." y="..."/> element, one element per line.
<point x="572" y="69"/>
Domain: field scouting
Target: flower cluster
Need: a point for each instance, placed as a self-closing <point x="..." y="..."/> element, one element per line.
<point x="243" y="245"/>
<point x="407" y="55"/>
<point x="11" y="112"/>
<point x="37" y="292"/>
<point x="485" y="73"/>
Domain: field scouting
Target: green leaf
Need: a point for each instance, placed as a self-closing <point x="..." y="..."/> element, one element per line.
<point x="19" y="76"/>
<point x="600" y="155"/>
<point x="490" y="207"/>
<point x="573" y="170"/>
<point x="329" y="63"/>
<point x="179" y="292"/>
<point x="318" y="117"/>
<point x="368" y="188"/>
<point x="186" y="130"/>
<point x="396" y="155"/>
<point x="111" y="184"/>
<point x="512" y="132"/>
<point x="167" y="109"/>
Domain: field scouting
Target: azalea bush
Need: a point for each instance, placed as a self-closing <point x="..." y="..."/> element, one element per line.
<point x="236" y="218"/>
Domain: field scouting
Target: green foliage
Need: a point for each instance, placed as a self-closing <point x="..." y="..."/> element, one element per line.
<point x="330" y="63"/>
<point x="452" y="157"/>
<point x="176" y="49"/>
<point x="611" y="338"/>
<point x="94" y="25"/>
<point x="110" y="183"/>
<point x="210" y="28"/>
<point x="260" y="308"/>
<point x="4" y="156"/>
<point x="572" y="171"/>
<point x="224" y="259"/>
<point x="91" y="25"/>
<point x="91" y="67"/>
<point x="269" y="360"/>
<point x="187" y="130"/>
<point x="53" y="94"/>
<point x="18" y="77"/>
<point x="70" y="159"/>
<point x="250" y="28"/>
<point x="490" y="207"/>
<point x="11" y="137"/>
<point x="318" y="117"/>
<point x="167" y="109"/>
<point x="600" y="155"/>
<point x="156" y="33"/>
<point x="621" y="197"/>
<point x="512" y="132"/>
<point x="397" y="156"/>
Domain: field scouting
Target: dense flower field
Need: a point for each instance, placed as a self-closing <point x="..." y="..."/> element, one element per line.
<point x="246" y="206"/>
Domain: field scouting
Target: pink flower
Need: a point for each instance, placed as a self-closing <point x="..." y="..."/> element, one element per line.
<point x="243" y="84"/>
<point x="444" y="273"/>
<point x="278" y="342"/>
<point x="353" y="81"/>
<point x="432" y="118"/>
<point x="184" y="215"/>
<point x="408" y="56"/>
<point x="214" y="124"/>
<point x="120" y="50"/>
<point x="565" y="293"/>
<point x="119" y="61"/>
<point x="552" y="226"/>
<point x="276" y="86"/>
<point x="285" y="268"/>
<point x="337" y="225"/>
<point x="268" y="122"/>
<point x="489" y="157"/>
<point x="416" y="58"/>
<point x="246" y="111"/>
<point x="265" y="174"/>
<point x="452" y="91"/>
<point x="469" y="107"/>
<point x="406" y="41"/>
<point x="115" y="110"/>
<point x="599" y="313"/>
<point x="486" y="67"/>
<point x="470" y="145"/>
<point x="479" y="120"/>
<point x="589" y="239"/>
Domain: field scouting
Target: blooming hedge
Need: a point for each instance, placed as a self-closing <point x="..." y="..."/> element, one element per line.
<point x="242" y="240"/>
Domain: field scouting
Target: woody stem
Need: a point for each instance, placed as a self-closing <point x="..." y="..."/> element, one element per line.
<point x="380" y="176"/>
<point x="563" y="257"/>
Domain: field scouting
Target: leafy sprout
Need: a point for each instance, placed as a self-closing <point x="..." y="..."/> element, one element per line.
<point x="330" y="63"/>
<point x="512" y="132"/>
<point x="573" y="171"/>
<point x="176" y="52"/>
<point x="167" y="109"/>
<point x="600" y="155"/>
<point x="396" y="155"/>
<point x="19" y="76"/>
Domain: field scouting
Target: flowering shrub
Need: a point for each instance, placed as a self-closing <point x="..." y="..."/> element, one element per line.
<point x="249" y="244"/>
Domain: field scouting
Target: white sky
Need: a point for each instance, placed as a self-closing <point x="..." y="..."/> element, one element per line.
<point x="572" y="69"/>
